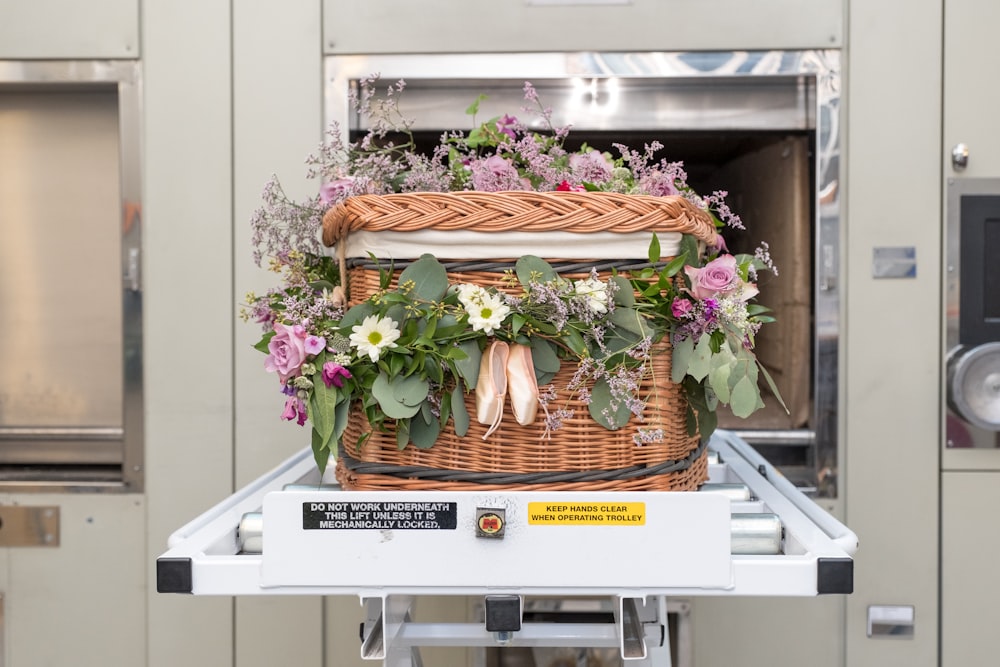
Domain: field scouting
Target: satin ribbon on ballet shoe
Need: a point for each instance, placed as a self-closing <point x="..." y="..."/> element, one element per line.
<point x="521" y="384"/>
<point x="491" y="388"/>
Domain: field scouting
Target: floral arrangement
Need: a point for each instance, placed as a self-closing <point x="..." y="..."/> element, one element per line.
<point x="410" y="353"/>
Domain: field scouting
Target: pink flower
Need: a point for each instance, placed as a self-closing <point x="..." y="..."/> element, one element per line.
<point x="681" y="307"/>
<point x="592" y="166"/>
<point x="335" y="190"/>
<point x="295" y="408"/>
<point x="719" y="278"/>
<point x="287" y="351"/>
<point x="495" y="174"/>
<point x="314" y="344"/>
<point x="566" y="186"/>
<point x="506" y="124"/>
<point x="334" y="374"/>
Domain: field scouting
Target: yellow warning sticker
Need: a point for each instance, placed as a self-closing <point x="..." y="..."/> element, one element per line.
<point x="587" y="514"/>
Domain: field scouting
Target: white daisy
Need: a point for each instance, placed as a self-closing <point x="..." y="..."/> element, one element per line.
<point x="471" y="295"/>
<point x="487" y="313"/>
<point x="373" y="335"/>
<point x="595" y="292"/>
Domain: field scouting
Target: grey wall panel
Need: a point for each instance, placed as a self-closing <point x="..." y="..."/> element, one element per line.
<point x="403" y="26"/>
<point x="62" y="29"/>
<point x="891" y="367"/>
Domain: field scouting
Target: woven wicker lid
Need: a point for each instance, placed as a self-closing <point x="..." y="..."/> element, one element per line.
<point x="521" y="211"/>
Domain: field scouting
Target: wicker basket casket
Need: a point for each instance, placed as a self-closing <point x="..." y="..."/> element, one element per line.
<point x="476" y="235"/>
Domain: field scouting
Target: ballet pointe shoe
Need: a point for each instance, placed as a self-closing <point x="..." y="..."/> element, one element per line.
<point x="521" y="384"/>
<point x="491" y="389"/>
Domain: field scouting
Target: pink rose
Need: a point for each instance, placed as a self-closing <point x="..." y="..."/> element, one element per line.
<point x="287" y="351"/>
<point x="719" y="278"/>
<point x="592" y="167"/>
<point x="495" y="174"/>
<point x="335" y="190"/>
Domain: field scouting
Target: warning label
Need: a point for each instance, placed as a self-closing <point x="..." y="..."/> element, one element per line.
<point x="582" y="514"/>
<point x="379" y="516"/>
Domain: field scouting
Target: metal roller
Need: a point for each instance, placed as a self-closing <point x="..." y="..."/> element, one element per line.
<point x="752" y="534"/>
<point x="735" y="492"/>
<point x="250" y="533"/>
<point x="756" y="534"/>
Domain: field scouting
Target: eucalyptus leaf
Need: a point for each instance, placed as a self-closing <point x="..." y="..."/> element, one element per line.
<point x="530" y="268"/>
<point x="402" y="433"/>
<point x="411" y="390"/>
<point x="607" y="411"/>
<point x="689" y="247"/>
<point x="699" y="365"/>
<point x="624" y="295"/>
<point x="383" y="392"/>
<point x="355" y="315"/>
<point x="459" y="413"/>
<point x="683" y="351"/>
<point x="424" y="435"/>
<point x="718" y="376"/>
<point x="630" y="320"/>
<point x="430" y="279"/>
<point x="574" y="341"/>
<point x="744" y="398"/>
<point x="468" y="368"/>
<point x="544" y="356"/>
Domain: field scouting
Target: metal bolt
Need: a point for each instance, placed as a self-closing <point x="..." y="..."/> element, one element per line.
<point x="504" y="637"/>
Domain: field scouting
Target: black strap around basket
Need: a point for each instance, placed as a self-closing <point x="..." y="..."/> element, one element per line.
<point x="547" y="477"/>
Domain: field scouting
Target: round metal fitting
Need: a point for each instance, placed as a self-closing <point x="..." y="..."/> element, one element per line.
<point x="974" y="385"/>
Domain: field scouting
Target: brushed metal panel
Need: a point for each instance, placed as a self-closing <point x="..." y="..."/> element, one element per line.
<point x="60" y="260"/>
<point x="29" y="526"/>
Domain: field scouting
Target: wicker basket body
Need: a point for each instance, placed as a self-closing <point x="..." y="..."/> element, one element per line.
<point x="581" y="454"/>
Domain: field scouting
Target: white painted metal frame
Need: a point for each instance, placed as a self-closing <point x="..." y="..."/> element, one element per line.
<point x="203" y="557"/>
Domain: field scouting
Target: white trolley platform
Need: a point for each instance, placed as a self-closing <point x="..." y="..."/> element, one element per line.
<point x="748" y="532"/>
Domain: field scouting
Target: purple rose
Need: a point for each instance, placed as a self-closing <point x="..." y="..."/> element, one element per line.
<point x="287" y="351"/>
<point x="681" y="307"/>
<point x="334" y="374"/>
<point x="719" y="278"/>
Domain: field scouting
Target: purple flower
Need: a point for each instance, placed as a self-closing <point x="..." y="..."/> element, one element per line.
<point x="711" y="305"/>
<point x="592" y="167"/>
<point x="506" y="125"/>
<point x="681" y="308"/>
<point x="334" y="374"/>
<point x="495" y="174"/>
<point x="314" y="344"/>
<point x="295" y="408"/>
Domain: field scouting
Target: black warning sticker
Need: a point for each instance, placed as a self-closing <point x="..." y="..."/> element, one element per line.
<point x="379" y="516"/>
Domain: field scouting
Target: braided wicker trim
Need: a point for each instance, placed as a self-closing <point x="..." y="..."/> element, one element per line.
<point x="517" y="211"/>
<point x="515" y="478"/>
